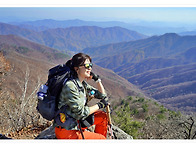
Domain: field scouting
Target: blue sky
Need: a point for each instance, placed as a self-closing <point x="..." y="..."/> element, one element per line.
<point x="126" y="14"/>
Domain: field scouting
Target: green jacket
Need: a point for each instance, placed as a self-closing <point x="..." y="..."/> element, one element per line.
<point x="76" y="100"/>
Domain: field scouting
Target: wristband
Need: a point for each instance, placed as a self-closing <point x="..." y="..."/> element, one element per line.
<point x="100" y="105"/>
<point x="99" y="80"/>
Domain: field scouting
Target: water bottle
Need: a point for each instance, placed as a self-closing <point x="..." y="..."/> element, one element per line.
<point x="42" y="92"/>
<point x="40" y="95"/>
<point x="92" y="92"/>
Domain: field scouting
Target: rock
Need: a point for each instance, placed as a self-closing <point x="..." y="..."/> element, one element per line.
<point x="49" y="133"/>
<point x="120" y="134"/>
<point x="4" y="137"/>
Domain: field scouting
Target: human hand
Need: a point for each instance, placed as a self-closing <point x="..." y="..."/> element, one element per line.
<point x="94" y="76"/>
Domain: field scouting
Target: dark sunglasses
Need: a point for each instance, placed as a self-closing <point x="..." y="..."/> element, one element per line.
<point x="88" y="65"/>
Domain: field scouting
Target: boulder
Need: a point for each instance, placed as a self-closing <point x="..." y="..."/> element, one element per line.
<point x="49" y="133"/>
<point x="120" y="134"/>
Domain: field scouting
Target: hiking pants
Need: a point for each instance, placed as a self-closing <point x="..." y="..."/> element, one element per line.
<point x="100" y="122"/>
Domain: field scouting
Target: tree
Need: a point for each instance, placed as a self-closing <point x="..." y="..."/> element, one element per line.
<point x="190" y="131"/>
<point x="21" y="112"/>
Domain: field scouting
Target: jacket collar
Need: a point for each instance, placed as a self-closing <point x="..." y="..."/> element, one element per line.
<point x="80" y="85"/>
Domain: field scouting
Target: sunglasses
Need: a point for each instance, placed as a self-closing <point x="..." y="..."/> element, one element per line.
<point x="88" y="65"/>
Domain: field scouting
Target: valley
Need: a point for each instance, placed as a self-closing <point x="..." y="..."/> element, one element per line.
<point x="141" y="74"/>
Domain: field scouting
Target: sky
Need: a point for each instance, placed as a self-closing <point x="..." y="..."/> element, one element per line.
<point x="180" y="14"/>
<point x="169" y="14"/>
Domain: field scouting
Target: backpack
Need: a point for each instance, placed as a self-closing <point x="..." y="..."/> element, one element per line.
<point x="48" y="94"/>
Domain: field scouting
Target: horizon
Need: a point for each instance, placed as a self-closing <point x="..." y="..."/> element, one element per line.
<point x="170" y="16"/>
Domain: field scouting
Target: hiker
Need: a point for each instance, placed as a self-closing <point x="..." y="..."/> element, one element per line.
<point x="76" y="103"/>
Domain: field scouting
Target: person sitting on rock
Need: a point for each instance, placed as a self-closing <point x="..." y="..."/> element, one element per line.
<point x="76" y="103"/>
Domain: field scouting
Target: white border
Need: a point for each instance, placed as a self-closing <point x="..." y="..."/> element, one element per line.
<point x="97" y="3"/>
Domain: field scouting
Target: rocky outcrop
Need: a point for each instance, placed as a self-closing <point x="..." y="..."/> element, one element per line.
<point x="4" y="137"/>
<point x="120" y="134"/>
<point x="49" y="133"/>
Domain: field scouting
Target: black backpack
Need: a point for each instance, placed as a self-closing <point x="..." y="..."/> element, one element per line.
<point x="48" y="95"/>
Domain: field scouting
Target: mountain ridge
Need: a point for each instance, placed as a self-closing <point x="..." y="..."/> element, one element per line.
<point x="73" y="38"/>
<point x="141" y="27"/>
<point x="156" y="46"/>
<point x="32" y="49"/>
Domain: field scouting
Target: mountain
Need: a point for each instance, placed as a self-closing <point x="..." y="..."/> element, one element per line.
<point x="7" y="29"/>
<point x="77" y="38"/>
<point x="163" y="66"/>
<point x="10" y="43"/>
<point x="46" y="24"/>
<point x="144" y="27"/>
<point x="73" y="38"/>
<point x="188" y="33"/>
<point x="135" y="114"/>
<point x="186" y="57"/>
<point x="172" y="86"/>
<point x="29" y="64"/>
<point x="132" y="111"/>
<point x="146" y="65"/>
<point x="116" y="86"/>
<point x="53" y="24"/>
<point x="135" y="51"/>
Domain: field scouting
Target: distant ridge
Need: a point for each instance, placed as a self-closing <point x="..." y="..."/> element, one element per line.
<point x="73" y="38"/>
<point x="141" y="27"/>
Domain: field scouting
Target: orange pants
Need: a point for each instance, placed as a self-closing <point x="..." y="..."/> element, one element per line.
<point x="100" y="122"/>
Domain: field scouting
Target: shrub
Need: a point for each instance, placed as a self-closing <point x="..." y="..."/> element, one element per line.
<point x="135" y="111"/>
<point x="145" y="107"/>
<point x="126" y="104"/>
<point x="115" y="107"/>
<point x="130" y="98"/>
<point x="156" y="103"/>
<point x="122" y="102"/>
<point x="161" y="116"/>
<point x="22" y="49"/>
<point x="140" y="100"/>
<point x="124" y="121"/>
<point x="163" y="109"/>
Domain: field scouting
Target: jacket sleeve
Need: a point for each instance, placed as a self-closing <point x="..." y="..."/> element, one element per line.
<point x="75" y="101"/>
<point x="98" y="94"/>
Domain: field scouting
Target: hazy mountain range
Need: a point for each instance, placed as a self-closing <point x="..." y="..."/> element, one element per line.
<point x="162" y="66"/>
<point x="143" y="27"/>
<point x="73" y="38"/>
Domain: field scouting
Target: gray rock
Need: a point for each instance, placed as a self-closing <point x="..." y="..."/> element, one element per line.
<point x="49" y="133"/>
<point x="120" y="134"/>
